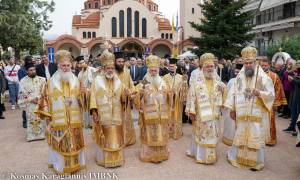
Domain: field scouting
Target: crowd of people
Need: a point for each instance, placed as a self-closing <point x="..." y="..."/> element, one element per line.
<point x="59" y="99"/>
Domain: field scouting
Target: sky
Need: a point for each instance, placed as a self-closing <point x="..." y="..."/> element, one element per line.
<point x="65" y="9"/>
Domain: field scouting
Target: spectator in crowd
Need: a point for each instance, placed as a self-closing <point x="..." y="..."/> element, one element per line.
<point x="236" y="62"/>
<point x="181" y="68"/>
<point x="222" y="69"/>
<point x="2" y="89"/>
<point x="163" y="69"/>
<point x="143" y="68"/>
<point x="287" y="87"/>
<point x="294" y="78"/>
<point x="22" y="72"/>
<point x="96" y="63"/>
<point x="75" y="69"/>
<point x="279" y="69"/>
<point x="192" y="66"/>
<point x="11" y="75"/>
<point x="187" y="63"/>
<point x="134" y="71"/>
<point x="46" y="69"/>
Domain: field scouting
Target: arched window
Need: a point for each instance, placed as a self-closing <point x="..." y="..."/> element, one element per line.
<point x="84" y="35"/>
<point x="96" y="5"/>
<point x="162" y="35"/>
<point x="136" y="24"/>
<point x="167" y="36"/>
<point x="94" y="34"/>
<point x="129" y="23"/>
<point x="171" y="36"/>
<point x="89" y="35"/>
<point x="121" y="23"/>
<point x="90" y="5"/>
<point x="109" y="2"/>
<point x="144" y="27"/>
<point x="114" y="27"/>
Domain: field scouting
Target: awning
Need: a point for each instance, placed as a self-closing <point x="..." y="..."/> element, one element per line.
<point x="267" y="4"/>
<point x="252" y="5"/>
<point x="187" y="54"/>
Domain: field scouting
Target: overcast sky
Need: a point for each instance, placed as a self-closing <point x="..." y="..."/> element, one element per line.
<point x="65" y="9"/>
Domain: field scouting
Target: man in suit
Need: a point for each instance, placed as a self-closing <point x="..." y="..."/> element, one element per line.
<point x="46" y="69"/>
<point x="192" y="65"/>
<point x="222" y="70"/>
<point x="134" y="71"/>
<point x="143" y="68"/>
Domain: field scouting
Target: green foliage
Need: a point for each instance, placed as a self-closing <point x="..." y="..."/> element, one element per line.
<point x="290" y="45"/>
<point x="21" y="23"/>
<point x="6" y="55"/>
<point x="224" y="28"/>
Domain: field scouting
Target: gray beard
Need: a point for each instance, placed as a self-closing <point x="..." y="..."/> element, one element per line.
<point x="109" y="76"/>
<point x="66" y="76"/>
<point x="154" y="80"/>
<point x="208" y="75"/>
<point x="249" y="72"/>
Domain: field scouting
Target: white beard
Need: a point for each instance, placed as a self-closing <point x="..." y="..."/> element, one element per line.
<point x="208" y="75"/>
<point x="65" y="76"/>
<point x="109" y="76"/>
<point x="154" y="80"/>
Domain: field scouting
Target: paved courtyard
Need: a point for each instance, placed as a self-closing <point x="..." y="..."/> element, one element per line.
<point x="22" y="160"/>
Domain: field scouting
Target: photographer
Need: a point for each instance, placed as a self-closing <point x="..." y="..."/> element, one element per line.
<point x="295" y="80"/>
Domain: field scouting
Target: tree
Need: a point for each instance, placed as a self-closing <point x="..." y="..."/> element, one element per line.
<point x="22" y="21"/>
<point x="224" y="29"/>
<point x="290" y="45"/>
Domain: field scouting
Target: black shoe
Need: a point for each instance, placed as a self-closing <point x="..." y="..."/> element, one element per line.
<point x="281" y="115"/>
<point x="298" y="145"/>
<point x="289" y="130"/>
<point x="294" y="133"/>
<point x="24" y="126"/>
<point x="2" y="117"/>
<point x="286" y="117"/>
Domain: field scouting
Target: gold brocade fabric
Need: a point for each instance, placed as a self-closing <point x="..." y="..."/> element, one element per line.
<point x="108" y="133"/>
<point x="60" y="107"/>
<point x="279" y="92"/>
<point x="109" y="138"/>
<point x="210" y="85"/>
<point x="130" y="136"/>
<point x="178" y="88"/>
<point x="154" y="154"/>
<point x="112" y="159"/>
<point x="69" y="140"/>
<point x="247" y="156"/>
<point x="279" y="101"/>
<point x="154" y="120"/>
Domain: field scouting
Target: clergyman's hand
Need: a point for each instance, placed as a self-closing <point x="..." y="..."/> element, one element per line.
<point x="192" y="116"/>
<point x="95" y="116"/>
<point x="256" y="92"/>
<point x="233" y="115"/>
<point x="35" y="100"/>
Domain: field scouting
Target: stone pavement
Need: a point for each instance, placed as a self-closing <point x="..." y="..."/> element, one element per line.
<point x="19" y="158"/>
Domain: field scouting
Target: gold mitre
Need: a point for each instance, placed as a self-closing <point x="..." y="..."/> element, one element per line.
<point x="107" y="58"/>
<point x="249" y="53"/>
<point x="153" y="61"/>
<point x="63" y="55"/>
<point x="207" y="58"/>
